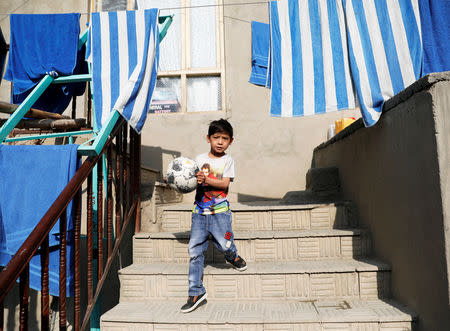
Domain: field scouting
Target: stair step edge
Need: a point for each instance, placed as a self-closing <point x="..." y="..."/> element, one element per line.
<point x="292" y="267"/>
<point x="260" y="234"/>
<point x="233" y="312"/>
<point x="261" y="206"/>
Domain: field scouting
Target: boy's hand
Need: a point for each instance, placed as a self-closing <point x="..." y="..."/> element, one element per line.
<point x="200" y="177"/>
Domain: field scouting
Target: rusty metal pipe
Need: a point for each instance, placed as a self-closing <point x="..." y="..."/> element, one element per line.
<point x="9" y="108"/>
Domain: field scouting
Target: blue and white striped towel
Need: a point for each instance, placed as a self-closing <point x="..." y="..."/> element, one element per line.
<point x="385" y="50"/>
<point x="309" y="63"/>
<point x="124" y="51"/>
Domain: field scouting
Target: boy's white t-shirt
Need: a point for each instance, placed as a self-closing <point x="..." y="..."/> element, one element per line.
<point x="209" y="200"/>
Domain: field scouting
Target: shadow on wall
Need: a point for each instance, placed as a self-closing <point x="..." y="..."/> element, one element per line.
<point x="249" y="198"/>
<point x="154" y="157"/>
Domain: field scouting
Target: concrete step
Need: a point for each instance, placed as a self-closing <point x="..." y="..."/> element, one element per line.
<point x="255" y="246"/>
<point x="268" y="215"/>
<point x="305" y="280"/>
<point x="343" y="315"/>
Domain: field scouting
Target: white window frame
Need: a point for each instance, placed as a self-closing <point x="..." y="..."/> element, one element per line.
<point x="186" y="71"/>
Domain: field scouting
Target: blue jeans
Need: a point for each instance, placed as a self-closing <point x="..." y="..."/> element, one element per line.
<point x="219" y="227"/>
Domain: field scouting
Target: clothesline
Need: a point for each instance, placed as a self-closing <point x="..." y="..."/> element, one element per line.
<point x="193" y="7"/>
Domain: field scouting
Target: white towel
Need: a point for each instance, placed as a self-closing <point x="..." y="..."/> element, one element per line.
<point x="309" y="63"/>
<point x="385" y="50"/>
<point x="124" y="51"/>
<point x="320" y="49"/>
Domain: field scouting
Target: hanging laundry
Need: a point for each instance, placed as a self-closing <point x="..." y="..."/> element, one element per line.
<point x="3" y="53"/>
<point x="434" y="15"/>
<point x="385" y="50"/>
<point x="41" y="44"/>
<point x="309" y="63"/>
<point x="124" y="50"/>
<point x="36" y="176"/>
<point x="260" y="53"/>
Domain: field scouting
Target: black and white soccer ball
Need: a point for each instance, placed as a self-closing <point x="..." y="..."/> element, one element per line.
<point x="181" y="174"/>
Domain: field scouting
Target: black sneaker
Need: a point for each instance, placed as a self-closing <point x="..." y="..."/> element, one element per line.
<point x="193" y="303"/>
<point x="239" y="263"/>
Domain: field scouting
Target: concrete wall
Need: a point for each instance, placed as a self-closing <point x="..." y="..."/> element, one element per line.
<point x="397" y="173"/>
<point x="272" y="155"/>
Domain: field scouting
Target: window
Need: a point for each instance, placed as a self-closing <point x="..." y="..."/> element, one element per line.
<point x="114" y="5"/>
<point x="190" y="76"/>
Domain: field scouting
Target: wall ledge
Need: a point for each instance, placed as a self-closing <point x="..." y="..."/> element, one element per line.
<point x="418" y="86"/>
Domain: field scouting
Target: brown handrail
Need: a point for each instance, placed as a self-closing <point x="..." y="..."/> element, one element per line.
<point x="19" y="264"/>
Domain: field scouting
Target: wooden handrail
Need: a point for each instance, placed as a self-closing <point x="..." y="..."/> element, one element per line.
<point x="20" y="260"/>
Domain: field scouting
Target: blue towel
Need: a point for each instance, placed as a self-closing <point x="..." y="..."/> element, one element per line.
<point x="434" y="16"/>
<point x="57" y="97"/>
<point x="36" y="175"/>
<point x="41" y="44"/>
<point x="260" y="53"/>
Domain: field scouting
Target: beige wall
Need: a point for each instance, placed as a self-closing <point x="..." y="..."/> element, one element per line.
<point x="397" y="173"/>
<point x="442" y="122"/>
<point x="272" y="155"/>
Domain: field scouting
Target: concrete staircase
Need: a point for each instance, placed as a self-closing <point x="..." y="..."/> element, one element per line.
<point x="310" y="268"/>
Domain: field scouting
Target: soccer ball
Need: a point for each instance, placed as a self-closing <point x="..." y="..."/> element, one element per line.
<point x="181" y="174"/>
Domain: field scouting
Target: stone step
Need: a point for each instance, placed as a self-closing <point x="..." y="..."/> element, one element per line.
<point x="343" y="315"/>
<point x="255" y="246"/>
<point x="305" y="280"/>
<point x="273" y="215"/>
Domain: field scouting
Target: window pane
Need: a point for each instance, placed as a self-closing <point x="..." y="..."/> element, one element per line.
<point x="203" y="34"/>
<point x="170" y="46"/>
<point x="204" y="93"/>
<point x="166" y="96"/>
<point x="114" y="5"/>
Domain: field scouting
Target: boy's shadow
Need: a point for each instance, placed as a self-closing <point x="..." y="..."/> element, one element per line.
<point x="204" y="302"/>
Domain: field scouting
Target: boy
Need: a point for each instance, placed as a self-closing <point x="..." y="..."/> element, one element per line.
<point x="211" y="214"/>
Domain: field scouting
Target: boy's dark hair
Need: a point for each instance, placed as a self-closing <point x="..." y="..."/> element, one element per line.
<point x="221" y="126"/>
